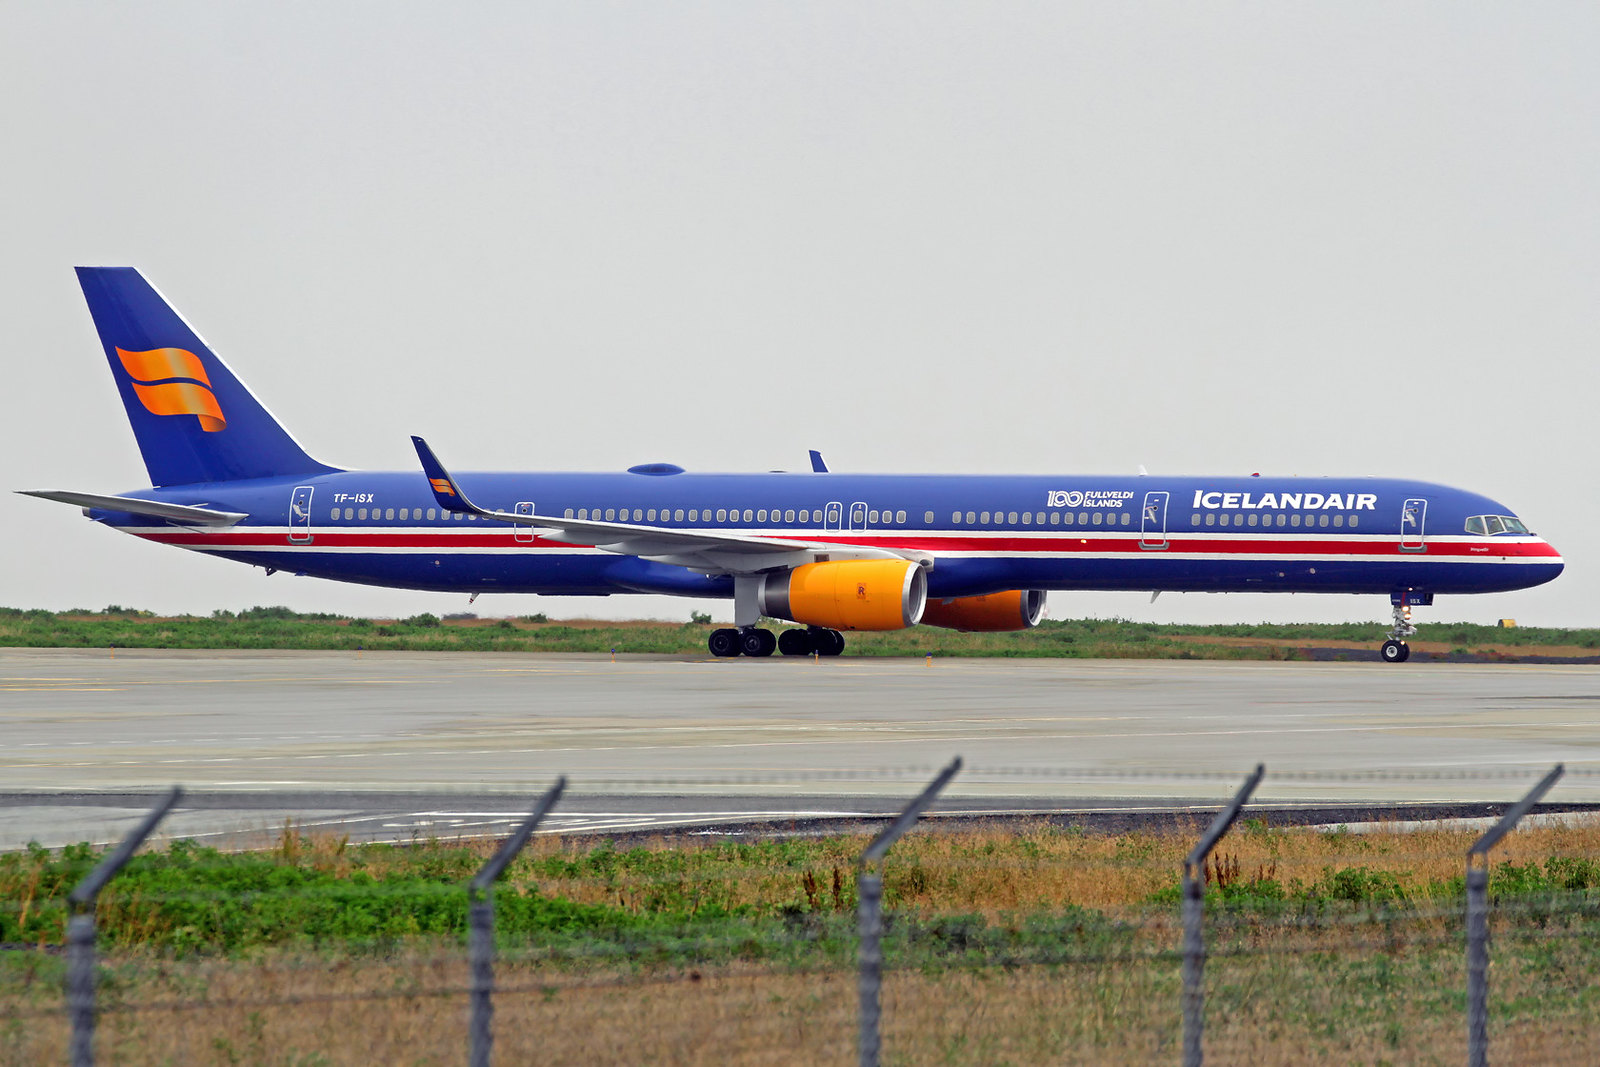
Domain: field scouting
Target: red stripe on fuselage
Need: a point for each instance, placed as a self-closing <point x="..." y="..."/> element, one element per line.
<point x="1018" y="546"/>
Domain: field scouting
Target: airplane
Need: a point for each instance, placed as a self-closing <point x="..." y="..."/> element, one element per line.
<point x="831" y="552"/>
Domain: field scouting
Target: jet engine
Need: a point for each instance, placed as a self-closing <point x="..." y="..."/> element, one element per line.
<point x="867" y="594"/>
<point x="1014" y="609"/>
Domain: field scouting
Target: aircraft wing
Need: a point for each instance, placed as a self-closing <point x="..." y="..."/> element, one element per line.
<point x="710" y="553"/>
<point x="187" y="513"/>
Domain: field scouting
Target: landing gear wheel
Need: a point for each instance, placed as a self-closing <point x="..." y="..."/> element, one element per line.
<point x="1395" y="649"/>
<point x="754" y="642"/>
<point x="795" y="643"/>
<point x="723" y="642"/>
<point x="826" y="642"/>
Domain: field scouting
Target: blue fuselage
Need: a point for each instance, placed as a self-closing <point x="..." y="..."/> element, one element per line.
<point x="981" y="534"/>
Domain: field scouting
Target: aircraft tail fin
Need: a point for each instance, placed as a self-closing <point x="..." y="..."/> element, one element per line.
<point x="194" y="420"/>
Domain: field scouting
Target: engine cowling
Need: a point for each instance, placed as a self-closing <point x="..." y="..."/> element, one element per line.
<point x="1014" y="609"/>
<point x="865" y="594"/>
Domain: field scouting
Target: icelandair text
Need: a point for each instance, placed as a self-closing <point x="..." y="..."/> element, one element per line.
<point x="1286" y="501"/>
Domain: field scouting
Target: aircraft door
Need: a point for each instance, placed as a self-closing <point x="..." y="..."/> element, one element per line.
<point x="858" y="515"/>
<point x="835" y="519"/>
<point x="524" y="533"/>
<point x="300" y="516"/>
<point x="1153" y="522"/>
<point x="1413" y="521"/>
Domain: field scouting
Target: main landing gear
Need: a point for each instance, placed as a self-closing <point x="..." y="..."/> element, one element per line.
<point x="1395" y="650"/>
<point x="751" y="641"/>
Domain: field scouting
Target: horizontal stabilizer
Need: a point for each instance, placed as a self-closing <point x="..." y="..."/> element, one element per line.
<point x="132" y="505"/>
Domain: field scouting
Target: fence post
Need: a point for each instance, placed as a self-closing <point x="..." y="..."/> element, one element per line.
<point x="480" y="924"/>
<point x="869" y="911"/>
<point x="80" y="933"/>
<point x="1194" y="943"/>
<point x="1478" y="918"/>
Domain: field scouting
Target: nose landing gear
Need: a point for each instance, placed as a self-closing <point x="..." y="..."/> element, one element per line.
<point x="1395" y="649"/>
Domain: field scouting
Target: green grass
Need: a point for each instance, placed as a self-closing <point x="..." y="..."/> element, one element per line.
<point x="280" y="628"/>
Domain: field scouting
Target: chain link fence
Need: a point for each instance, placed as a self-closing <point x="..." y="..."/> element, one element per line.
<point x="1027" y="942"/>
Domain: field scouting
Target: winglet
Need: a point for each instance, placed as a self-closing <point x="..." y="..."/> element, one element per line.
<point x="816" y="462"/>
<point x="444" y="487"/>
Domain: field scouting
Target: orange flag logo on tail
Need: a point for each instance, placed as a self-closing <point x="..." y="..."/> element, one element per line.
<point x="153" y="375"/>
<point x="442" y="485"/>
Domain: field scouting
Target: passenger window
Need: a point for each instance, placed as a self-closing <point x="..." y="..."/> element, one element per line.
<point x="638" y="514"/>
<point x="349" y="513"/>
<point x="1012" y="518"/>
<point x="1055" y="518"/>
<point x="677" y="514"/>
<point x="1224" y="520"/>
<point x="805" y="516"/>
<point x="1098" y="518"/>
<point x="565" y="515"/>
<point x="872" y="516"/>
<point x="583" y="513"/>
<point x="335" y="515"/>
<point x="761" y="516"/>
<point x="1126" y="518"/>
<point x="362" y="513"/>
<point x="1194" y="520"/>
<point x="1338" y="520"/>
<point x="389" y="515"/>
<point x="611" y="514"/>
<point x="1294" y="520"/>
<point x="983" y="517"/>
<point x="1475" y="525"/>
<point x="1355" y="520"/>
<point x="651" y="515"/>
<point x="1253" y="519"/>
<point x="722" y="514"/>
<point x="1211" y="518"/>
<point x="1322" y="520"/>
<point x="694" y="515"/>
<point x="747" y="514"/>
<point x="404" y="513"/>
<point x="458" y="515"/>
<point x="971" y="518"/>
<point x="900" y="518"/>
<point x="1493" y="524"/>
<point x="1027" y="518"/>
<point x="788" y="514"/>
<point x="1039" y="518"/>
<point x="927" y="518"/>
<point x="431" y="515"/>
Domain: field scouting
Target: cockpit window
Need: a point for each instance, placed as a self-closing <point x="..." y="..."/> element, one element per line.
<point x="1489" y="525"/>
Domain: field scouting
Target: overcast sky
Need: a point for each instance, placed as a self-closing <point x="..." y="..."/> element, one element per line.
<point x="1010" y="238"/>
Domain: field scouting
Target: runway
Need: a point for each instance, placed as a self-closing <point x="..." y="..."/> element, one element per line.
<point x="652" y="741"/>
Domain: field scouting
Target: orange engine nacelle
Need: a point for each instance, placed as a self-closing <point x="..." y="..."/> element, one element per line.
<point x="865" y="594"/>
<point x="1015" y="609"/>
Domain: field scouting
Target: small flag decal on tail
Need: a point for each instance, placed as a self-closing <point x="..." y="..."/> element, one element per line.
<point x="442" y="485"/>
<point x="153" y="373"/>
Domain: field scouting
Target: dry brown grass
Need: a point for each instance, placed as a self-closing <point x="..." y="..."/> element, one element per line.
<point x="1264" y="1010"/>
<point x="996" y="871"/>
